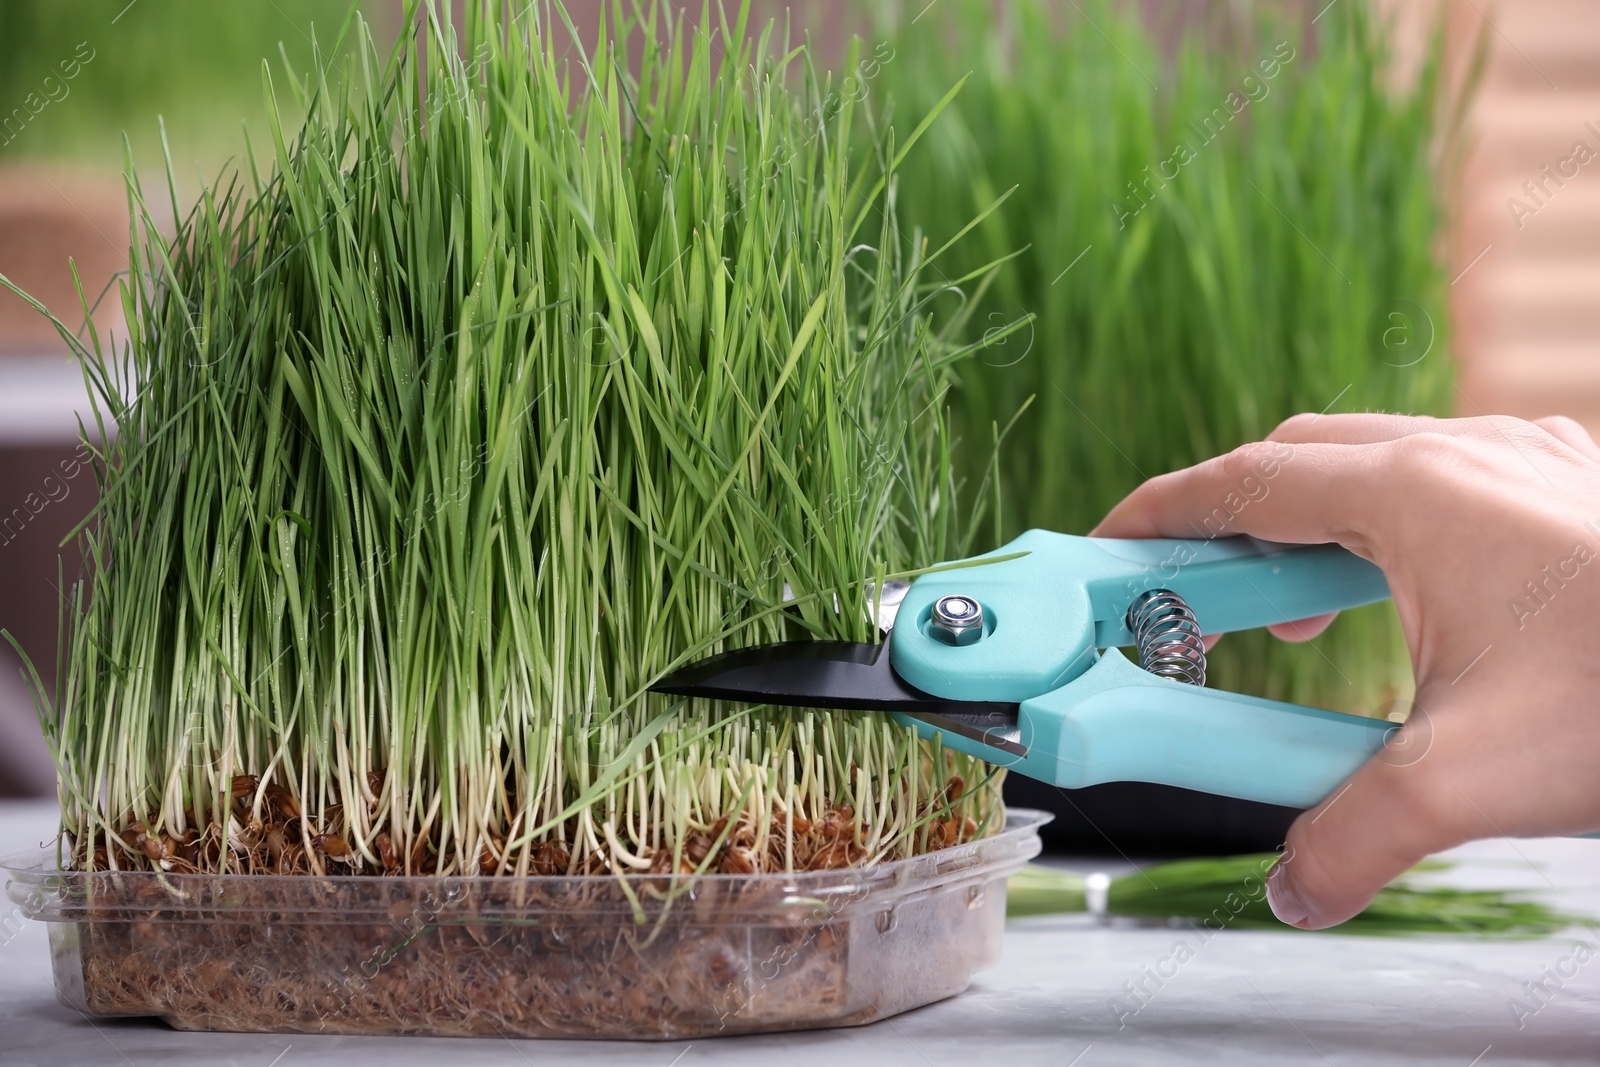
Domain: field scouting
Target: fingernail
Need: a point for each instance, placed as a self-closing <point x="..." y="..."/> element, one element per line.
<point x="1286" y="904"/>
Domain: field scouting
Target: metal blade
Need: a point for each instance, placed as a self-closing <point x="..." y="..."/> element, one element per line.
<point x="881" y="610"/>
<point x="844" y="676"/>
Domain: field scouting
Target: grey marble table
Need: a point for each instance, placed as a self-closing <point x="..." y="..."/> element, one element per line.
<point x="1243" y="998"/>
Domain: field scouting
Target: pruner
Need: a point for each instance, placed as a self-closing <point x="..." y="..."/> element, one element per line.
<point x="1017" y="661"/>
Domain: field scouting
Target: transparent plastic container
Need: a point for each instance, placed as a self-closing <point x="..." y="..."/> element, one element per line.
<point x="637" y="957"/>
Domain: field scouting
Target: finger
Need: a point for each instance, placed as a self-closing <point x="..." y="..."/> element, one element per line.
<point x="1358" y="428"/>
<point x="1299" y="494"/>
<point x="1387" y="818"/>
<point x="1571" y="433"/>
<point x="1373" y="427"/>
<point x="1302" y="629"/>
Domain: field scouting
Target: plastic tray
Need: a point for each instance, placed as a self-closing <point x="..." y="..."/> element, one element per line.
<point x="603" y="957"/>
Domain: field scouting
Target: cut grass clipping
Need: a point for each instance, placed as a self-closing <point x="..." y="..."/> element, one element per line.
<point x="452" y="423"/>
<point x="1229" y="894"/>
<point x="1212" y="244"/>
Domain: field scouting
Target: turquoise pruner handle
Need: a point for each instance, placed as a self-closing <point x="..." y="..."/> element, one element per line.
<point x="1088" y="717"/>
<point x="1119" y="723"/>
<point x="1235" y="583"/>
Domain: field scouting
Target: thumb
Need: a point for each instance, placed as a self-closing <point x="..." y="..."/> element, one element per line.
<point x="1384" y="820"/>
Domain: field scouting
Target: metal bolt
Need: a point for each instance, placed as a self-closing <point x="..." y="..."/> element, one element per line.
<point x="957" y="620"/>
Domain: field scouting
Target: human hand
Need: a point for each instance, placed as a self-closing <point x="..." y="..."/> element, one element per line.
<point x="1488" y="530"/>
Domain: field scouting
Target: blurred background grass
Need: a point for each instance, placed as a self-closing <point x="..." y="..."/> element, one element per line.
<point x="197" y="65"/>
<point x="1214" y="236"/>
